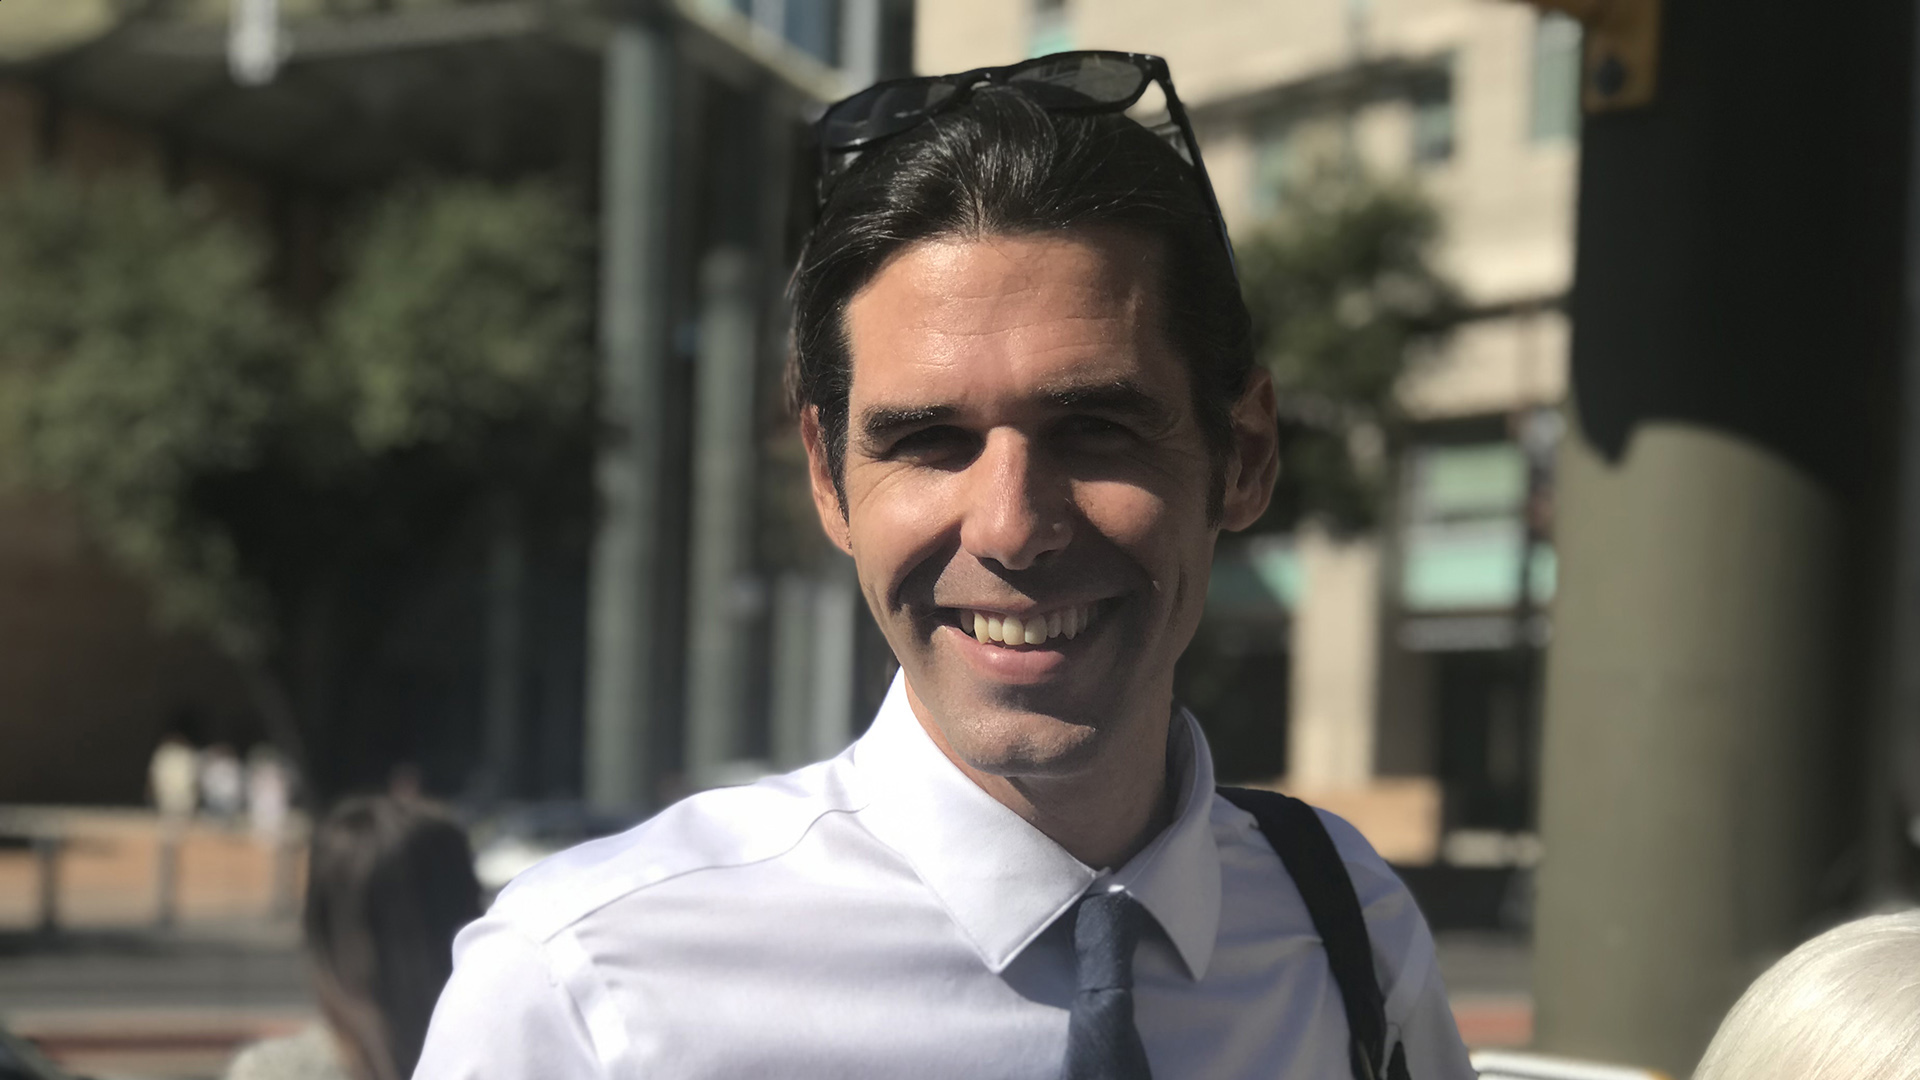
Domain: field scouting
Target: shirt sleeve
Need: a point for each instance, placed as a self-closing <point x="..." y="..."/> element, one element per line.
<point x="1432" y="1039"/>
<point x="1418" y="1014"/>
<point x="506" y="1015"/>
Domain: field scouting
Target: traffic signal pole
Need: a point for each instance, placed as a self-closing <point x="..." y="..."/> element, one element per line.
<point x="1737" y="319"/>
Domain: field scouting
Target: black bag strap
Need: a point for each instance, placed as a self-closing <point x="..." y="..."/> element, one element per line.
<point x="1307" y="851"/>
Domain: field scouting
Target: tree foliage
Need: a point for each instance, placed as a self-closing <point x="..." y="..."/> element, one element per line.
<point x="249" y="466"/>
<point x="1344" y="291"/>
<point x="138" y="354"/>
<point x="464" y="315"/>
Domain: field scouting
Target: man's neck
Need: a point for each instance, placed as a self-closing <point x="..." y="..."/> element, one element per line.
<point x="1103" y="815"/>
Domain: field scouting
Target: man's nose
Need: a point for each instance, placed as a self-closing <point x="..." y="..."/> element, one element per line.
<point x="1018" y="509"/>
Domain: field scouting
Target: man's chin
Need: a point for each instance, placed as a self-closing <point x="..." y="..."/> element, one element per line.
<point x="1019" y="711"/>
<point x="1011" y="731"/>
<point x="1025" y="746"/>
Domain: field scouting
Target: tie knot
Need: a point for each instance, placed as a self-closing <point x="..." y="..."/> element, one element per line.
<point x="1106" y="927"/>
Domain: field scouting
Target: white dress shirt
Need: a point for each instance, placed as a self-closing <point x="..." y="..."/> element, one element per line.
<point x="879" y="915"/>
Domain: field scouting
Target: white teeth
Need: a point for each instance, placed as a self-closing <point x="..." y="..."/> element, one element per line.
<point x="1013" y="630"/>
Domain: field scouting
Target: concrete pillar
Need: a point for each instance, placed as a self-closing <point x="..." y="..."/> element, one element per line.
<point x="1685" y="705"/>
<point x="723" y="495"/>
<point x="1735" y="341"/>
<point x="505" y="648"/>
<point x="1336" y="659"/>
<point x="623" y="615"/>
<point x="815" y="630"/>
<point x="837" y="615"/>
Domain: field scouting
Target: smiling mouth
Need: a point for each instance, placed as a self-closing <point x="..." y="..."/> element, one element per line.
<point x="993" y="628"/>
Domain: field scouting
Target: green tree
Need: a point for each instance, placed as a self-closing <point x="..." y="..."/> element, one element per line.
<point x="464" y="317"/>
<point x="247" y="466"/>
<point x="139" y="354"/>
<point x="1344" y="293"/>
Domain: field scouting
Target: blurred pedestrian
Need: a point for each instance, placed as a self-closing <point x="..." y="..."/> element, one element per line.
<point x="1844" y="1006"/>
<point x="269" y="794"/>
<point x="390" y="882"/>
<point x="269" y="801"/>
<point x="173" y="778"/>
<point x="223" y="785"/>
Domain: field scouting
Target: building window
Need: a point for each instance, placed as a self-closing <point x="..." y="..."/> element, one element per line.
<point x="813" y="27"/>
<point x="1051" y="30"/>
<point x="1431" y="100"/>
<point x="1556" y="79"/>
<point x="1465" y="538"/>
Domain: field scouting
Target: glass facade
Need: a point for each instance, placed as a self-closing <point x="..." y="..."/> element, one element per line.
<point x="1052" y="28"/>
<point x="1465" y="534"/>
<point x="1431" y="100"/>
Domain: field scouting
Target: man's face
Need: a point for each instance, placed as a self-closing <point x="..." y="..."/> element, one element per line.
<point x="1026" y="489"/>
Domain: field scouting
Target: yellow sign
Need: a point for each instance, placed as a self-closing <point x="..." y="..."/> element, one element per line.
<point x="1622" y="65"/>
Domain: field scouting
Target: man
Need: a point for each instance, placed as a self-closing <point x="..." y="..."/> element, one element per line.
<point x="1022" y="369"/>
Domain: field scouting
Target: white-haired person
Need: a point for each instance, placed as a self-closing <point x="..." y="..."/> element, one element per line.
<point x="1843" y="1006"/>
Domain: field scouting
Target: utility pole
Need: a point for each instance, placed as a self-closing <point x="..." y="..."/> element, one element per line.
<point x="1735" y="323"/>
<point x="624" y="608"/>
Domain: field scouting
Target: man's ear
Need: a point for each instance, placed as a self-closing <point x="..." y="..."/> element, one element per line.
<point x="826" y="494"/>
<point x="1254" y="461"/>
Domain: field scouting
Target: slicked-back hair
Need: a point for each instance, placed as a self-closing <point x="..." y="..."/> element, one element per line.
<point x="1000" y="165"/>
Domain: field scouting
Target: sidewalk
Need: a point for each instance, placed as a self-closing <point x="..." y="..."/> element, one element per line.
<point x="111" y="994"/>
<point x="1490" y="984"/>
<point x="118" y="1006"/>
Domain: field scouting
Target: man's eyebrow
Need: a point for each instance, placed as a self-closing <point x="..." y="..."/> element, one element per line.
<point x="1121" y="397"/>
<point x="879" y="423"/>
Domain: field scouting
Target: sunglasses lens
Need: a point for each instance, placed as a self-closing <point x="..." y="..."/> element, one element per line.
<point x="882" y="110"/>
<point x="1081" y="81"/>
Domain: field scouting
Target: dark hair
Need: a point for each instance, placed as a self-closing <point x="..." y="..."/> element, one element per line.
<point x="999" y="163"/>
<point x="389" y="884"/>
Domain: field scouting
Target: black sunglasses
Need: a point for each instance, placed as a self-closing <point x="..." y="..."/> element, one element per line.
<point x="1090" y="81"/>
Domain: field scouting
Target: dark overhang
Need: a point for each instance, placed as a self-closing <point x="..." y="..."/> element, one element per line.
<point x="480" y="88"/>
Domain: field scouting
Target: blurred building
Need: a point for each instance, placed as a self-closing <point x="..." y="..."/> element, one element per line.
<point x="1403" y="667"/>
<point x="292" y="114"/>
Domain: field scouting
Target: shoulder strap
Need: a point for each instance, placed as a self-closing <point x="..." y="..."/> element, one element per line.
<point x="1305" y="849"/>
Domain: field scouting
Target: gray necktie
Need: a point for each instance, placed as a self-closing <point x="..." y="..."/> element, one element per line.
<point x="1102" y="1041"/>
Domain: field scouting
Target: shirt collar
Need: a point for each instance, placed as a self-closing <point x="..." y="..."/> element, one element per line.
<point x="1177" y="876"/>
<point x="1003" y="881"/>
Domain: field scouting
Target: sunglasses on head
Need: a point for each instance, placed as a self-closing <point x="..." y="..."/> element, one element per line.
<point x="1085" y="82"/>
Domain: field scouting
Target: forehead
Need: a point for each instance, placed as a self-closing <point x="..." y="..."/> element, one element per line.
<point x="988" y="318"/>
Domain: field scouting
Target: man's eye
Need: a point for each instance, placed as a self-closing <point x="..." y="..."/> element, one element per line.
<point x="930" y="443"/>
